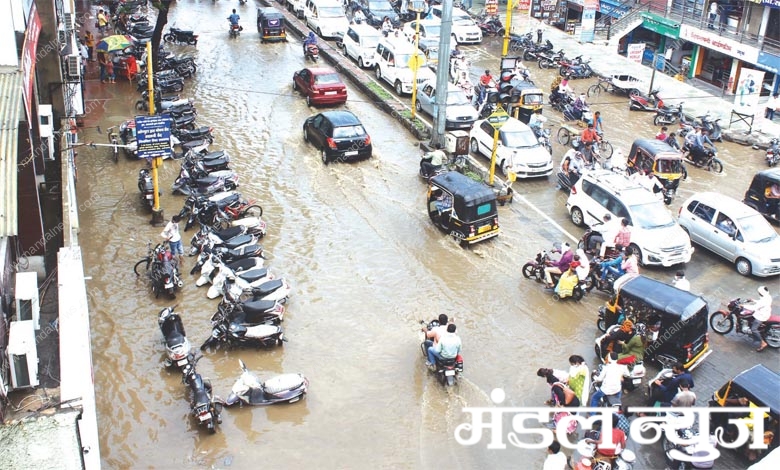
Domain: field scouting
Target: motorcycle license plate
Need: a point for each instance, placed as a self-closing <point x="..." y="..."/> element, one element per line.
<point x="204" y="417"/>
<point x="349" y="154"/>
<point x="181" y="362"/>
<point x="150" y="196"/>
<point x="637" y="381"/>
<point x="168" y="285"/>
<point x="449" y="372"/>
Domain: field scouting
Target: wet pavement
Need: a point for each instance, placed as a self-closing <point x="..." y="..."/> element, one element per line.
<point x="365" y="264"/>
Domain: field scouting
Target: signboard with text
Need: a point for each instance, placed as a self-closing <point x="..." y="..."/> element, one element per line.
<point x="28" y="57"/>
<point x="661" y="25"/>
<point x="153" y="134"/>
<point x="636" y="51"/>
<point x="587" y="32"/>
<point x="721" y="44"/>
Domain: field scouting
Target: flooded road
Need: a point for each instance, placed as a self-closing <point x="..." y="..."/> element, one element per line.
<point x="366" y="266"/>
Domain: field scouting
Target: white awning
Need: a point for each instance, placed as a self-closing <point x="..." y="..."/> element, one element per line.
<point x="11" y="109"/>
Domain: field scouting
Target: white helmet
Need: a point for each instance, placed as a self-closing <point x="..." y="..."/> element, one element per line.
<point x="763" y="291"/>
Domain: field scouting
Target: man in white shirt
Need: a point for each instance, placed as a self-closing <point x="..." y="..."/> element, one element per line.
<point x="448" y="347"/>
<point x="556" y="460"/>
<point x="762" y="310"/>
<point x="611" y="378"/>
<point x="681" y="282"/>
<point x="713" y="14"/>
<point x="173" y="237"/>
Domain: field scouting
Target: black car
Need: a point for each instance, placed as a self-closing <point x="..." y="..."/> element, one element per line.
<point x="375" y="11"/>
<point x="339" y="135"/>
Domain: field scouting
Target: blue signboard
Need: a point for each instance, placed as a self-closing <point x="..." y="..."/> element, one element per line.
<point x="153" y="134"/>
<point x="768" y="62"/>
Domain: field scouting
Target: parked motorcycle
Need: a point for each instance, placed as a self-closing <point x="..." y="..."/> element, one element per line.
<point x="209" y="268"/>
<point x="163" y="273"/>
<point x="249" y="390"/>
<point x="738" y="319"/>
<point x="699" y="158"/>
<point x="713" y="127"/>
<point x="241" y="283"/>
<point x="205" y="407"/>
<point x="186" y="135"/>
<point x="232" y="334"/>
<point x="233" y="237"/>
<point x="163" y="103"/>
<point x="773" y="152"/>
<point x="181" y="36"/>
<point x="575" y="68"/>
<point x="549" y="59"/>
<point x="177" y="346"/>
<point x="146" y="187"/>
<point x="535" y="51"/>
<point x="239" y="289"/>
<point x="312" y="52"/>
<point x="204" y="183"/>
<point x="448" y="371"/>
<point x="253" y="312"/>
<point x="667" y="115"/>
<point x="491" y="26"/>
<point x="638" y="101"/>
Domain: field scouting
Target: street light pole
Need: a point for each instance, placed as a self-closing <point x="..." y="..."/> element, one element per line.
<point x="442" y="74"/>
<point x="417" y="7"/>
<point x="508" y="27"/>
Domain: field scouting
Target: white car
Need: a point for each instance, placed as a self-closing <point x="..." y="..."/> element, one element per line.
<point x="460" y="113"/>
<point x="430" y="37"/>
<point x="464" y="29"/>
<point x="360" y="44"/>
<point x="519" y="150"/>
<point x="392" y="65"/>
<point x="326" y="18"/>
<point x="656" y="238"/>
<point x="296" y="7"/>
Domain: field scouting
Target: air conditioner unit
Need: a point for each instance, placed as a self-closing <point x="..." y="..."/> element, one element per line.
<point x="27" y="302"/>
<point x="22" y="355"/>
<point x="70" y="22"/>
<point x="45" y="116"/>
<point x="74" y="67"/>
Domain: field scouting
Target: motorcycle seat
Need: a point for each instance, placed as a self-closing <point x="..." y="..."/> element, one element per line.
<point x="180" y="109"/>
<point x="227" y="201"/>
<point x="235" y="253"/>
<point x="258" y="307"/>
<point x="253" y="275"/>
<point x="283" y="383"/>
<point x="229" y="233"/>
<point x="267" y="287"/>
<point x="175" y="339"/>
<point x="206" y="181"/>
<point x="181" y="31"/>
<point x="612" y="400"/>
<point x="192" y="144"/>
<point x="447" y="362"/>
<point x="219" y="154"/>
<point x="216" y="163"/>
<point x="260" y="331"/>
<point x="242" y="264"/>
<point x="235" y="242"/>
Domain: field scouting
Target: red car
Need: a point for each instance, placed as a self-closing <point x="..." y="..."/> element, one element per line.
<point x="320" y="85"/>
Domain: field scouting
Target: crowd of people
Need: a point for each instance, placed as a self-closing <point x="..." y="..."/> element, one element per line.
<point x="108" y="62"/>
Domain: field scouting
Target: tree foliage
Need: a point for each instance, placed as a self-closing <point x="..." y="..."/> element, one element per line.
<point x="162" y="7"/>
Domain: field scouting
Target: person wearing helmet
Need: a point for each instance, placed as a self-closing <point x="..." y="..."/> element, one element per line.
<point x="762" y="310"/>
<point x="310" y="39"/>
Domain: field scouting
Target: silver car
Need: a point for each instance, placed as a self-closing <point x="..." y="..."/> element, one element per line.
<point x="460" y="113"/>
<point x="734" y="231"/>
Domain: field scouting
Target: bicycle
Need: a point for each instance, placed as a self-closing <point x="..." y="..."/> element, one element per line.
<point x="114" y="141"/>
<point x="603" y="85"/>
<point x="147" y="261"/>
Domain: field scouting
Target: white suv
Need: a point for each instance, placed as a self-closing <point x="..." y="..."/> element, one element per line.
<point x="326" y="17"/>
<point x="296" y="7"/>
<point x="464" y="29"/>
<point x="656" y="237"/>
<point x="392" y="65"/>
<point x="360" y="44"/>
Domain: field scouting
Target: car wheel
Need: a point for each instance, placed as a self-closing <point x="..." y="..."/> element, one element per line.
<point x="360" y="63"/>
<point x="744" y="267"/>
<point x="319" y="32"/>
<point x="295" y="86"/>
<point x="324" y="156"/>
<point x="503" y="168"/>
<point x="308" y="100"/>
<point x="399" y="90"/>
<point x="305" y="134"/>
<point x="474" y="146"/>
<point x="418" y="106"/>
<point x="378" y="73"/>
<point x="577" y="217"/>
<point x="638" y="254"/>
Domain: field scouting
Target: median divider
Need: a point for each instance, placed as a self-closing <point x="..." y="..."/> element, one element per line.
<point x="380" y="97"/>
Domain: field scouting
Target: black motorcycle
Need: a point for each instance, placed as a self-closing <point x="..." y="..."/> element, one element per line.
<point x="253" y="312"/>
<point x="177" y="346"/>
<point x="186" y="135"/>
<point x="713" y="127"/>
<point x="146" y="187"/>
<point x="607" y="285"/>
<point x="773" y="152"/>
<point x="535" y="51"/>
<point x="447" y="370"/>
<point x="702" y="158"/>
<point x="181" y="36"/>
<point x="491" y="27"/>
<point x="549" y="60"/>
<point x="231" y="334"/>
<point x="205" y="407"/>
<point x="667" y="115"/>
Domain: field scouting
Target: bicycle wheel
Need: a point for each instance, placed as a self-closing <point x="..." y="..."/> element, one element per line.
<point x="605" y="148"/>
<point x="564" y="136"/>
<point x="594" y="90"/>
<point x="252" y="211"/>
<point x="145" y="262"/>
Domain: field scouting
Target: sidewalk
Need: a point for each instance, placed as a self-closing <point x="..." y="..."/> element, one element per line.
<point x="606" y="61"/>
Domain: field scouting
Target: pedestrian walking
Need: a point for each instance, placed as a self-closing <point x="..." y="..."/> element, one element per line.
<point x="102" y="57"/>
<point x="771" y="106"/>
<point x="89" y="41"/>
<point x="102" y="21"/>
<point x="110" y="70"/>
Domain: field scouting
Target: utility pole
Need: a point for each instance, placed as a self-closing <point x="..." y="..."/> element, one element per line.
<point x="417" y="7"/>
<point x="509" y="8"/>
<point x="157" y="213"/>
<point x="442" y="74"/>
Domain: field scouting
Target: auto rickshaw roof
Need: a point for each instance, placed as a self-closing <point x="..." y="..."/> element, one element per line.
<point x="269" y="12"/>
<point x="466" y="191"/>
<point x="662" y="296"/>
<point x="763" y="384"/>
<point x="655" y="147"/>
<point x="772" y="174"/>
<point x="526" y="87"/>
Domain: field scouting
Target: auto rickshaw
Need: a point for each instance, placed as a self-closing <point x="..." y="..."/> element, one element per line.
<point x="763" y="195"/>
<point x="673" y="322"/>
<point x="755" y="387"/>
<point x="270" y="25"/>
<point x="663" y="160"/>
<point x="526" y="99"/>
<point x="462" y="207"/>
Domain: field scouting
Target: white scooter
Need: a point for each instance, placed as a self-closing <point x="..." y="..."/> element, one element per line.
<point x="249" y="390"/>
<point x="243" y="281"/>
<point x="209" y="269"/>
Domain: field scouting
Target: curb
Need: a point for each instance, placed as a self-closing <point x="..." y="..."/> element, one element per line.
<point x="356" y="75"/>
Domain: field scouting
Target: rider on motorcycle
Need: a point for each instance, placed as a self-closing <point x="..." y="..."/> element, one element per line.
<point x="611" y="378"/>
<point x="762" y="310"/>
<point x="233" y="18"/>
<point x="536" y="121"/>
<point x="485" y="81"/>
<point x="432" y="161"/>
<point x="310" y="39"/>
<point x="580" y="105"/>
<point x="448" y="347"/>
<point x="432" y="336"/>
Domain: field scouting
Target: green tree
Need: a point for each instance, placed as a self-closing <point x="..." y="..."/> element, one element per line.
<point x="162" y="7"/>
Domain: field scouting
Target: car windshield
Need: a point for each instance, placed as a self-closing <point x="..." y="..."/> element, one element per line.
<point x="756" y="229"/>
<point x="348" y="131"/>
<point x="432" y="31"/>
<point x="402" y="60"/>
<point x="519" y="139"/>
<point x="331" y="12"/>
<point x="651" y="215"/>
<point x="665" y="165"/>
<point x="327" y="79"/>
<point x="460" y="18"/>
<point x="379" y="6"/>
<point x="457" y="98"/>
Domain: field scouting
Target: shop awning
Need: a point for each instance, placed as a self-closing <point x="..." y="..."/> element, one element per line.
<point x="11" y="109"/>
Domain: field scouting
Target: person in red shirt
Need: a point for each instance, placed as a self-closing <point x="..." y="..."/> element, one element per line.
<point x="623" y="237"/>
<point x="485" y="80"/>
<point x="618" y="441"/>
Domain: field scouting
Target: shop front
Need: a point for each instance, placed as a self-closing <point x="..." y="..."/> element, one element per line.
<point x="661" y="35"/>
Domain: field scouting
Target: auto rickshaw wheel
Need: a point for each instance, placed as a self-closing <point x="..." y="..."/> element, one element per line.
<point x="743" y="266"/>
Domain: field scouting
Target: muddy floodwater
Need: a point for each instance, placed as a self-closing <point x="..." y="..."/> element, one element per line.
<point x="365" y="263"/>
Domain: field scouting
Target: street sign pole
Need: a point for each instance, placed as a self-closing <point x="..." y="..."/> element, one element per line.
<point x="497" y="119"/>
<point x="416" y="7"/>
<point x="493" y="157"/>
<point x="509" y="8"/>
<point x="158" y="218"/>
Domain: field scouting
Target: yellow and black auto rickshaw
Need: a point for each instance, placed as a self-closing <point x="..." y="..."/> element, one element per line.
<point x="270" y="25"/>
<point x="763" y="194"/>
<point x="660" y="158"/>
<point x="526" y="99"/>
<point x="672" y="321"/>
<point x="462" y="207"/>
<point x="753" y="388"/>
